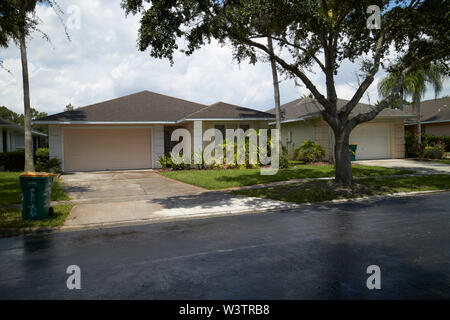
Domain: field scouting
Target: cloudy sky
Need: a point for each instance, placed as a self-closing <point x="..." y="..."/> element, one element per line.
<point x="102" y="62"/>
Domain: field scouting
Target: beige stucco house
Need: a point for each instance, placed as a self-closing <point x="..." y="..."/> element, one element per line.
<point x="133" y="131"/>
<point x="381" y="138"/>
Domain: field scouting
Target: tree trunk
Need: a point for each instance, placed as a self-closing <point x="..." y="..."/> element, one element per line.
<point x="29" y="163"/>
<point x="342" y="155"/>
<point x="419" y="125"/>
<point x="276" y="89"/>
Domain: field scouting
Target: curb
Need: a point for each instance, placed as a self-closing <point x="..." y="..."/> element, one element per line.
<point x="11" y="232"/>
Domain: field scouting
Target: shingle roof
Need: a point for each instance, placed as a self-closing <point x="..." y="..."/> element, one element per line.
<point x="146" y="106"/>
<point x="435" y="110"/>
<point x="222" y="110"/>
<point x="308" y="107"/>
<point x="137" y="107"/>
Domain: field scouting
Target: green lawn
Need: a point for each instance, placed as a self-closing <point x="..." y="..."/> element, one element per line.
<point x="226" y="178"/>
<point x="316" y="191"/>
<point x="10" y="192"/>
<point x="444" y="161"/>
<point x="12" y="218"/>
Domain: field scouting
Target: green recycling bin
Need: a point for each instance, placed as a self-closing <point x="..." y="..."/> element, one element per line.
<point x="36" y="193"/>
<point x="352" y="150"/>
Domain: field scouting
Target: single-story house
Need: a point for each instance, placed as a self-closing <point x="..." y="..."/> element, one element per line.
<point x="133" y="131"/>
<point x="434" y="117"/>
<point x="13" y="137"/>
<point x="381" y="138"/>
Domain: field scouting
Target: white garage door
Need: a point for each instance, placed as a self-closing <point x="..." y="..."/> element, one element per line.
<point x="106" y="149"/>
<point x="373" y="140"/>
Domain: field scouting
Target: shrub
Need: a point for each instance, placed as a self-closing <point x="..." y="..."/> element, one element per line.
<point x="309" y="151"/>
<point x="431" y="140"/>
<point x="12" y="161"/>
<point x="165" y="162"/>
<point x="434" y="152"/>
<point x="284" y="159"/>
<point x="44" y="163"/>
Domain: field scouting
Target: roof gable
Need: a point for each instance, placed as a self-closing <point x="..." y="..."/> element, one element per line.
<point x="308" y="107"/>
<point x="222" y="110"/>
<point x="144" y="106"/>
<point x="434" y="110"/>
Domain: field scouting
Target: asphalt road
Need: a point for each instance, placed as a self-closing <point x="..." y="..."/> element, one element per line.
<point x="321" y="252"/>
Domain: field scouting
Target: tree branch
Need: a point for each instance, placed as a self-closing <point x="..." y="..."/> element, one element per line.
<point x="395" y="93"/>
<point x="292" y="68"/>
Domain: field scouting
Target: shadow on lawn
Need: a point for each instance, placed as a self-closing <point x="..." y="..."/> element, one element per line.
<point x="204" y="200"/>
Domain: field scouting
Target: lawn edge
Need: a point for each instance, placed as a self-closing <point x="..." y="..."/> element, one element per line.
<point x="11" y="232"/>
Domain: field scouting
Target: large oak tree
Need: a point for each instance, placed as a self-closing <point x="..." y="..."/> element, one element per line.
<point x="306" y="33"/>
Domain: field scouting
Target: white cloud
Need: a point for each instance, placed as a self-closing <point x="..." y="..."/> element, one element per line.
<point x="102" y="62"/>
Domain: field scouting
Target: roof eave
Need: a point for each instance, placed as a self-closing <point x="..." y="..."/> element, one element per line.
<point x="228" y="119"/>
<point x="102" y="122"/>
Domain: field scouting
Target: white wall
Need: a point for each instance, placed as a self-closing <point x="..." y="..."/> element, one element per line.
<point x="298" y="131"/>
<point x="157" y="144"/>
<point x="55" y="143"/>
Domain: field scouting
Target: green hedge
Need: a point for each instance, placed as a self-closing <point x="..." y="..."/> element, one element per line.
<point x="12" y="161"/>
<point x="414" y="150"/>
<point x="44" y="163"/>
<point x="429" y="140"/>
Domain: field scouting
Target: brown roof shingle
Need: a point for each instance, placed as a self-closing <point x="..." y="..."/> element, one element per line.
<point x="434" y="110"/>
<point x="222" y="110"/>
<point x="308" y="107"/>
<point x="143" y="106"/>
<point x="146" y="106"/>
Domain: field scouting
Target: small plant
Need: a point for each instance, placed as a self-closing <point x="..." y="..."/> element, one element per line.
<point x="435" y="152"/>
<point x="165" y="162"/>
<point x="44" y="163"/>
<point x="284" y="159"/>
<point x="309" y="151"/>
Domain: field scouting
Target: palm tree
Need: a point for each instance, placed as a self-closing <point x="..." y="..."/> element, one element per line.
<point x="276" y="91"/>
<point x="17" y="20"/>
<point x="415" y="86"/>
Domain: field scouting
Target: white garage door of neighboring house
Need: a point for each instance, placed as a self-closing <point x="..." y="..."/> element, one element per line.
<point x="106" y="149"/>
<point x="373" y="140"/>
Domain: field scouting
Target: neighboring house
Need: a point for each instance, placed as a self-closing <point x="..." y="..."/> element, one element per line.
<point x="131" y="132"/>
<point x="12" y="137"/>
<point x="381" y="138"/>
<point x="434" y="117"/>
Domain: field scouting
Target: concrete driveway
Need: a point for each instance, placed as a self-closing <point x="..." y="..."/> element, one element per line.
<point x="129" y="197"/>
<point x="424" y="167"/>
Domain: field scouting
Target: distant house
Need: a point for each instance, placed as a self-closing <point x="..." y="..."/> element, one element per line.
<point x="381" y="138"/>
<point x="131" y="132"/>
<point x="434" y="117"/>
<point x="12" y="137"/>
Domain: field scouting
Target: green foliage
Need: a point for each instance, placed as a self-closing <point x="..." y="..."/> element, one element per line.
<point x="435" y="151"/>
<point x="165" y="162"/>
<point x="432" y="146"/>
<point x="9" y="115"/>
<point x="309" y="151"/>
<point x="44" y="163"/>
<point x="415" y="83"/>
<point x="429" y="139"/>
<point x="284" y="159"/>
<point x="12" y="161"/>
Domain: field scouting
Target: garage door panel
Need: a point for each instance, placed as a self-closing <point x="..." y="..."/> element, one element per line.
<point x="373" y="140"/>
<point x="106" y="149"/>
